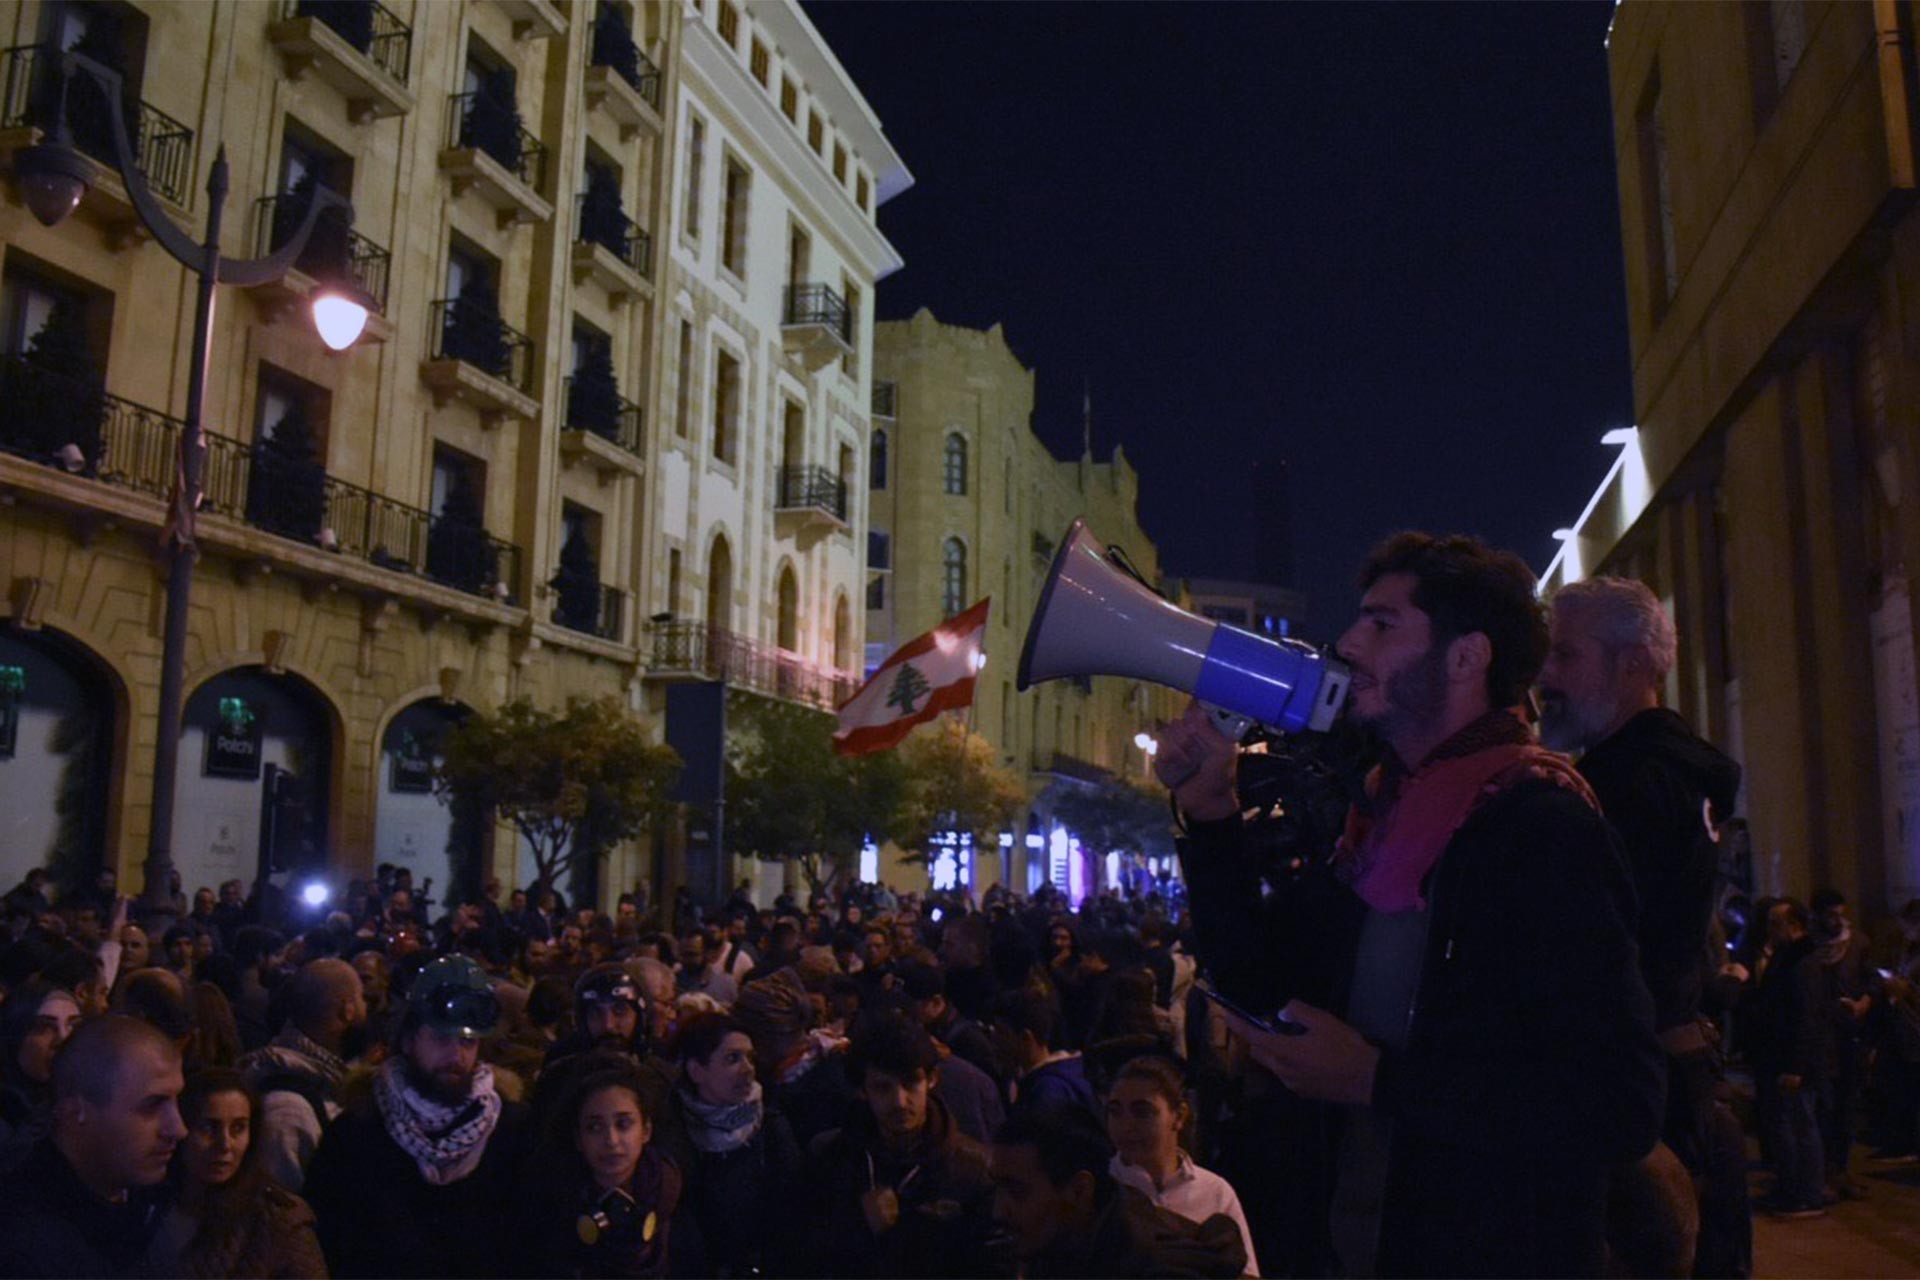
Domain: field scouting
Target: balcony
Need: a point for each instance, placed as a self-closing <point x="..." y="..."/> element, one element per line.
<point x="613" y="252"/>
<point x="130" y="449"/>
<point x="886" y="397"/>
<point x="162" y="146"/>
<point x="335" y="254"/>
<point x="810" y="502"/>
<point x="600" y="613"/>
<point x="490" y="154"/>
<point x="533" y="19"/>
<point x="816" y="325"/>
<point x="358" y="47"/>
<point x="621" y="80"/>
<point x="609" y="442"/>
<point x="480" y="360"/>
<point x="679" y="649"/>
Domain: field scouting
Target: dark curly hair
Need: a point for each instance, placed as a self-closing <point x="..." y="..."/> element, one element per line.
<point x="1463" y="586"/>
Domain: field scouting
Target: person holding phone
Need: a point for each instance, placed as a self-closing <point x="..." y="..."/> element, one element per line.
<point x="1463" y="963"/>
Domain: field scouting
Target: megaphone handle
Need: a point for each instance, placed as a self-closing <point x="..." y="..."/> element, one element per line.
<point x="1232" y="725"/>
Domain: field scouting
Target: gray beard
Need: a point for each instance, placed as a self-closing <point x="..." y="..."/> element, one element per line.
<point x="1571" y="727"/>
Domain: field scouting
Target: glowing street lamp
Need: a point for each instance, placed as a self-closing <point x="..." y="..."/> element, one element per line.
<point x="53" y="178"/>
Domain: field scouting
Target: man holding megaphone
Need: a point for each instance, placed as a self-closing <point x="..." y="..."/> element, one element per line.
<point x="1457" y="978"/>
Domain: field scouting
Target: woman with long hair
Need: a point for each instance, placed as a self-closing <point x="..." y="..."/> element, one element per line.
<point x="35" y="1020"/>
<point x="1146" y="1113"/>
<point x="741" y="1158"/>
<point x="228" y="1217"/>
<point x="605" y="1195"/>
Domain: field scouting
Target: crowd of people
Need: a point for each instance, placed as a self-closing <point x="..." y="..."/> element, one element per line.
<point x="869" y="1084"/>
<point x="1493" y="1029"/>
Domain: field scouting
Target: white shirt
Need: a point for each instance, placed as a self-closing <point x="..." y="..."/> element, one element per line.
<point x="1194" y="1193"/>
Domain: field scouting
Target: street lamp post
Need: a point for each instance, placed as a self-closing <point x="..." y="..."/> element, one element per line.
<point x="54" y="177"/>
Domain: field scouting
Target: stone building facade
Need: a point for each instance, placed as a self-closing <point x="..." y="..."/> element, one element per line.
<point x="1766" y="157"/>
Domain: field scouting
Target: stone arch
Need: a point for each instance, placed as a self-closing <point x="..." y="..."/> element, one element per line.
<point x="787" y="607"/>
<point x="63" y="736"/>
<point x="720" y="583"/>
<point x="439" y="841"/>
<point x="843" y="655"/>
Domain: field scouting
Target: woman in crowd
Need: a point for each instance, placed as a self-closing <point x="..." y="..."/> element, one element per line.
<point x="1146" y="1112"/>
<point x="742" y="1158"/>
<point x="35" y="1020"/>
<point x="608" y="1196"/>
<point x="228" y="1218"/>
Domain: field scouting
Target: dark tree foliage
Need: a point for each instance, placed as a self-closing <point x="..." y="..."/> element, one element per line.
<point x="613" y="45"/>
<point x="458" y="552"/>
<point x="603" y="221"/>
<point x="328" y="256"/>
<point x="60" y="397"/>
<point x="89" y="111"/>
<point x="287" y="491"/>
<point x="492" y="120"/>
<point x="593" y="400"/>
<point x="576" y="584"/>
<point x="351" y="20"/>
<point x="474" y="331"/>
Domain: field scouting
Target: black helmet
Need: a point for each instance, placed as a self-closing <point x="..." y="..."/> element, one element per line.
<point x="454" y="996"/>
<point x="607" y="984"/>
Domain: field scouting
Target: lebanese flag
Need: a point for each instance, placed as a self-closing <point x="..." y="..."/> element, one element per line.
<point x="923" y="677"/>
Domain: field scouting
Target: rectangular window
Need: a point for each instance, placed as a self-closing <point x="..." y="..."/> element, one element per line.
<point x="726" y="406"/>
<point x="799" y="254"/>
<point x="451" y="470"/>
<point x="762" y="65"/>
<point x="863" y="194"/>
<point x="683" y="404"/>
<point x="877" y="592"/>
<point x="789" y="99"/>
<point x="733" y="247"/>
<point x="729" y="24"/>
<point x="1656" y="197"/>
<point x="673" y="581"/>
<point x="839" y="163"/>
<point x="816" y="130"/>
<point x="696" y="173"/>
<point x="288" y="408"/>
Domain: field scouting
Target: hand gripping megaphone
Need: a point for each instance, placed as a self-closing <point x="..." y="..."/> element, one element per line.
<point x="1096" y="617"/>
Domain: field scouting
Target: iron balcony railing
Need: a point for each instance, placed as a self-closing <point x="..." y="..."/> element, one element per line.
<point x="336" y="254"/>
<point x="814" y="487"/>
<point x="162" y="146"/>
<point x="134" y="447"/>
<point x="477" y="120"/>
<point x="686" y="647"/>
<point x="818" y="304"/>
<point x="613" y="46"/>
<point x="617" y="234"/>
<point x="604" y="620"/>
<point x="466" y="331"/>
<point x="372" y="29"/>
<point x="886" y="398"/>
<point x="623" y="428"/>
<point x="879" y="551"/>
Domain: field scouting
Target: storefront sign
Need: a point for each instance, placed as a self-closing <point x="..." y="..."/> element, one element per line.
<point x="233" y="744"/>
<point x="412" y="767"/>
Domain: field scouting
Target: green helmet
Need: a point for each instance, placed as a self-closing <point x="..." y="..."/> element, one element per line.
<point x="454" y="996"/>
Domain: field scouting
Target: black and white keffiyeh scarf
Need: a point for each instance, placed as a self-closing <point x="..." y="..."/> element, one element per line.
<point x="445" y="1142"/>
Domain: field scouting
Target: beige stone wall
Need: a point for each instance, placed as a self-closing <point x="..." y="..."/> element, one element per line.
<point x="1775" y="396"/>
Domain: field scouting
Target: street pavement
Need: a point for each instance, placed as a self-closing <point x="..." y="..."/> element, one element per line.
<point x="1878" y="1236"/>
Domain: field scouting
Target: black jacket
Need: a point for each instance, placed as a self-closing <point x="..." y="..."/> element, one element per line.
<point x="1793" y="1033"/>
<point x="1531" y="1062"/>
<point x="377" y="1216"/>
<point x="51" y="1224"/>
<point x="946" y="1204"/>
<point x="1654" y="777"/>
<point x="738" y="1203"/>
<point x="1133" y="1237"/>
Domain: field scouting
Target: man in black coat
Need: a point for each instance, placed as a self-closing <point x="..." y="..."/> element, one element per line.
<point x="1494" y="1052"/>
<point x="418" y="1179"/>
<point x="1794" y="1036"/>
<point x="1666" y="791"/>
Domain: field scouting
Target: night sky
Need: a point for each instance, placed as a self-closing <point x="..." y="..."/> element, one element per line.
<point x="1380" y="241"/>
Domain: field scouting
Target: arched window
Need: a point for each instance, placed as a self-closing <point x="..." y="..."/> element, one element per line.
<point x="842" y="636"/>
<point x="955" y="469"/>
<point x="789" y="637"/>
<point x="720" y="585"/>
<point x="953" y="577"/>
<point x="877" y="462"/>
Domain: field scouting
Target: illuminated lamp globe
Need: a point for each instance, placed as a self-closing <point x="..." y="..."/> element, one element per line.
<point x="340" y="315"/>
<point x="52" y="181"/>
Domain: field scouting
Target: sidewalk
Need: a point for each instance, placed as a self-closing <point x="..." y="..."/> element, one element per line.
<point x="1879" y="1236"/>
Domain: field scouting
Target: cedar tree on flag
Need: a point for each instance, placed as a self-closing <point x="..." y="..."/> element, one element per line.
<point x="923" y="677"/>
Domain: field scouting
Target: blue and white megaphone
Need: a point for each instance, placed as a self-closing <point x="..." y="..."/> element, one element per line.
<point x="1097" y="618"/>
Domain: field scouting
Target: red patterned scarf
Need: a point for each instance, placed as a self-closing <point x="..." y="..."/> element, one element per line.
<point x="1394" y="840"/>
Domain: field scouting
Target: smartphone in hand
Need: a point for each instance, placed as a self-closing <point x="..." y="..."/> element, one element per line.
<point x="1266" y="1022"/>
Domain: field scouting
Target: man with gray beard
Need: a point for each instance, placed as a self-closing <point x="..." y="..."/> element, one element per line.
<point x="1665" y="790"/>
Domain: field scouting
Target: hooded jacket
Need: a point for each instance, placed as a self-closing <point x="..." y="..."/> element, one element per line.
<point x="1660" y="784"/>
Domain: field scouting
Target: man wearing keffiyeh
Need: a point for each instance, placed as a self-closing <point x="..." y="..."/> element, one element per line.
<point x="1492" y="1051"/>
